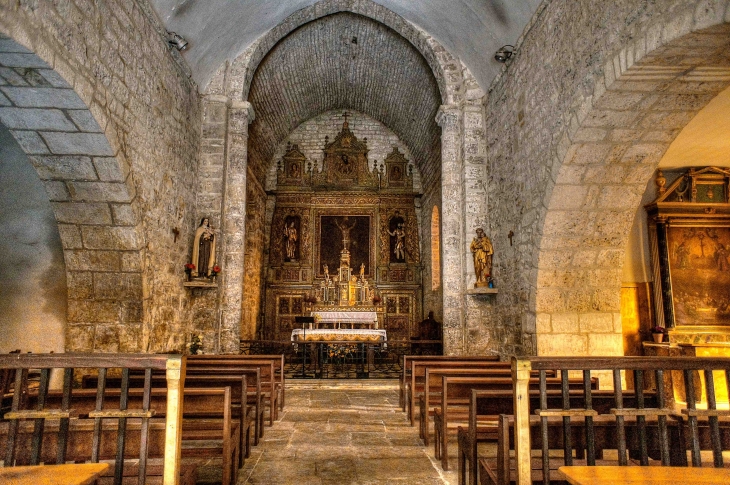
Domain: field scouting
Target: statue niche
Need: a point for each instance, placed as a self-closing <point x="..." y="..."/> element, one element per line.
<point x="291" y="238"/>
<point x="397" y="234"/>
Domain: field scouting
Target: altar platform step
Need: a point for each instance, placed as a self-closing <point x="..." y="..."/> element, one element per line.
<point x="342" y="384"/>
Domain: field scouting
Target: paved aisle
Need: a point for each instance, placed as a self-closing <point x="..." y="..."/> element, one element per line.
<point x="343" y="432"/>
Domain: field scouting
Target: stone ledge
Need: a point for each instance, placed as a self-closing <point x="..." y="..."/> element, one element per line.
<point x="199" y="284"/>
<point x="482" y="291"/>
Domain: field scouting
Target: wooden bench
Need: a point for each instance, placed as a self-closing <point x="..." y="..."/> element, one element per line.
<point x="418" y="376"/>
<point x="486" y="406"/>
<point x="698" y="425"/>
<point x="502" y="471"/>
<point x="432" y="389"/>
<point x="246" y="396"/>
<point x="37" y="420"/>
<point x="271" y="384"/>
<point x="276" y="359"/>
<point x="408" y="360"/>
<point x="208" y="428"/>
<point x="454" y="407"/>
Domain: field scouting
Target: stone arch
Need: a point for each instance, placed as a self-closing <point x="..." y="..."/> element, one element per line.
<point x="234" y="80"/>
<point x="649" y="92"/>
<point x="458" y="96"/>
<point x="91" y="196"/>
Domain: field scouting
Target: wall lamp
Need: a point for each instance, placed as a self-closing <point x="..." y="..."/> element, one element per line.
<point x="177" y="41"/>
<point x="504" y="53"/>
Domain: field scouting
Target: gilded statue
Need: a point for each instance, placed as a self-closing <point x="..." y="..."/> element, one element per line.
<point x="482" y="250"/>
<point x="400" y="245"/>
<point x="290" y="233"/>
<point x="203" y="249"/>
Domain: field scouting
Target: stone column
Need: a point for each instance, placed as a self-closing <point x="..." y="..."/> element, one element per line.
<point x="233" y="226"/>
<point x="449" y="118"/>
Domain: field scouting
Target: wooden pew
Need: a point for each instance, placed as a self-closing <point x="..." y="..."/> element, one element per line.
<point x="208" y="426"/>
<point x="277" y="360"/>
<point x="418" y="376"/>
<point x="432" y="389"/>
<point x="20" y="417"/>
<point x="455" y="396"/>
<point x="271" y="384"/>
<point x="486" y="406"/>
<point x="501" y="470"/>
<point x="245" y="388"/>
<point x="408" y="360"/>
<point x="694" y="373"/>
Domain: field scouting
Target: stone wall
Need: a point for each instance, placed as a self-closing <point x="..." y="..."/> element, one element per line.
<point x="118" y="163"/>
<point x="585" y="155"/>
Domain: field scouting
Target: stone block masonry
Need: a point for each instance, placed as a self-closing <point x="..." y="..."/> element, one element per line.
<point x="587" y="130"/>
<point x="111" y="122"/>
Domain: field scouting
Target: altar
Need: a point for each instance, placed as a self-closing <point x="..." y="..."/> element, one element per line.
<point x="335" y="350"/>
<point x="337" y="318"/>
<point x="357" y="335"/>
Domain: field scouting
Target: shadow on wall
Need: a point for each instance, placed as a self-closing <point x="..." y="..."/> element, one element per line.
<point x="32" y="272"/>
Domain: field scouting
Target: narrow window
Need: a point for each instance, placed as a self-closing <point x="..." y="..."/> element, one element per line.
<point x="435" y="249"/>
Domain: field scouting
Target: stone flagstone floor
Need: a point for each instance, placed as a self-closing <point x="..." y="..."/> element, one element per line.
<point x="338" y="432"/>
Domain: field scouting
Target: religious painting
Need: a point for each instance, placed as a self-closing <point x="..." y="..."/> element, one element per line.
<point x="344" y="231"/>
<point x="700" y="274"/>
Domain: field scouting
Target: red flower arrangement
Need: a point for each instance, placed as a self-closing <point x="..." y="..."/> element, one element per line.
<point x="216" y="269"/>
<point x="189" y="267"/>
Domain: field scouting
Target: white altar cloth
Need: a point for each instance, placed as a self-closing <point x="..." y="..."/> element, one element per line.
<point x="345" y="317"/>
<point x="333" y="334"/>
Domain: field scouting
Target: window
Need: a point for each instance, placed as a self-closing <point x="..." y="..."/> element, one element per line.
<point x="435" y="249"/>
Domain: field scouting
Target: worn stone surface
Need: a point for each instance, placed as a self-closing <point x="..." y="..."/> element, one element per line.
<point x="334" y="432"/>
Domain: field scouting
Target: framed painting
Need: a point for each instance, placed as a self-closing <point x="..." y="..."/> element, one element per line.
<point x="336" y="231"/>
<point x="699" y="271"/>
<point x="689" y="233"/>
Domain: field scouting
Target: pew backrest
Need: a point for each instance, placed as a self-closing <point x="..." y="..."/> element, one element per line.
<point x="693" y="374"/>
<point x="172" y="365"/>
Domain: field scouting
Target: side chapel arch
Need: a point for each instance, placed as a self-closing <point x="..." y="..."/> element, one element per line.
<point x="69" y="151"/>
<point x="601" y="182"/>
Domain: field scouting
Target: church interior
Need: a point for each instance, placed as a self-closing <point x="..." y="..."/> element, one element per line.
<point x="505" y="179"/>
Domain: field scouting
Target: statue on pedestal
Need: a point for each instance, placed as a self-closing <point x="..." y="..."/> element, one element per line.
<point x="203" y="249"/>
<point x="400" y="246"/>
<point x="290" y="233"/>
<point x="482" y="250"/>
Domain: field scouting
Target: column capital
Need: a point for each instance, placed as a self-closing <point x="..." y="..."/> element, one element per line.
<point x="448" y="115"/>
<point x="244" y="106"/>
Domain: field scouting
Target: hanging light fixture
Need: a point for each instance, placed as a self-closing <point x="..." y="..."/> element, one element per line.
<point x="177" y="41"/>
<point x="504" y="53"/>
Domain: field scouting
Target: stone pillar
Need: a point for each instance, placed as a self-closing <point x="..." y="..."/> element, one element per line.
<point x="449" y="118"/>
<point x="233" y="226"/>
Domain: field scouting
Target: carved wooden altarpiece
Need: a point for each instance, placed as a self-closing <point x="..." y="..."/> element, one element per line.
<point x="689" y="229"/>
<point x="345" y="214"/>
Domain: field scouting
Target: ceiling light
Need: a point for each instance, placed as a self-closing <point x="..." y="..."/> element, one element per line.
<point x="504" y="53"/>
<point x="177" y="41"/>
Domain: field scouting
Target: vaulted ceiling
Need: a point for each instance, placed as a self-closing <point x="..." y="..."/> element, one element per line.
<point x="219" y="30"/>
<point x="345" y="61"/>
